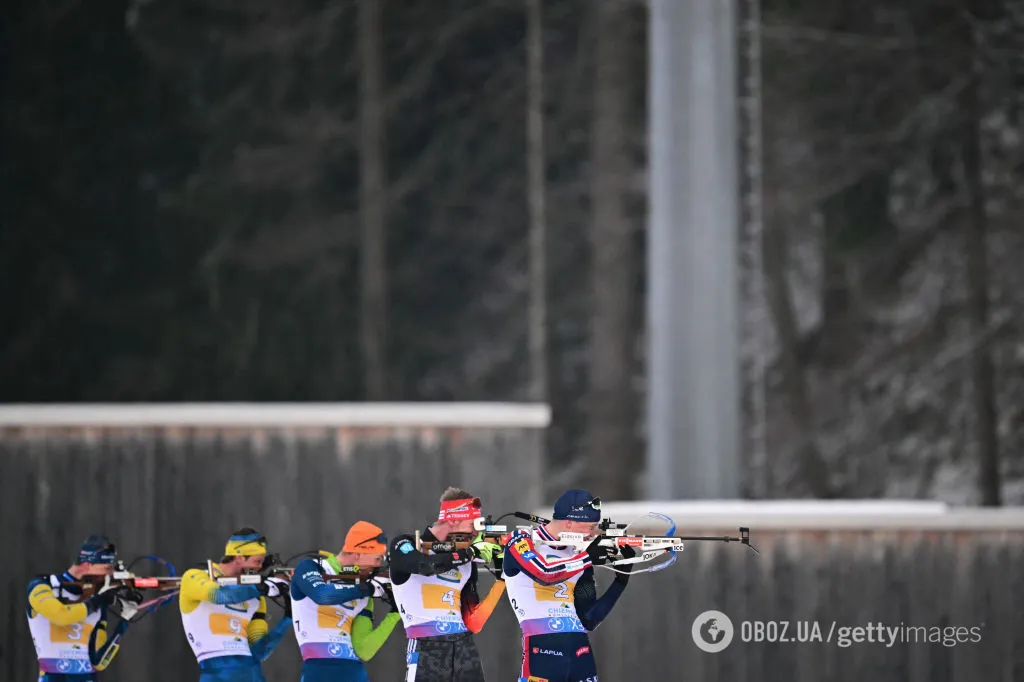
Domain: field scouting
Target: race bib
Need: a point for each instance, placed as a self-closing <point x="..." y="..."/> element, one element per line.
<point x="333" y="618"/>
<point x="559" y="592"/>
<point x="441" y="597"/>
<point x="76" y="633"/>
<point x="228" y="625"/>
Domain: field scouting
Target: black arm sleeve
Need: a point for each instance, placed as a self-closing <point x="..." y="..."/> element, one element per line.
<point x="470" y="593"/>
<point x="591" y="609"/>
<point x="405" y="560"/>
<point x="585" y="594"/>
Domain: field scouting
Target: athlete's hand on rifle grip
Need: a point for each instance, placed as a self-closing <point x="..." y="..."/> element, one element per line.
<point x="486" y="550"/>
<point x="627" y="552"/>
<point x="97" y="601"/>
<point x="276" y="587"/>
<point x="379" y="589"/>
<point x="128" y="607"/>
<point x="597" y="552"/>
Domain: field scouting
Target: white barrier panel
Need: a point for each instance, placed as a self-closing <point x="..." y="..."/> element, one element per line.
<point x="816" y="514"/>
<point x="454" y="415"/>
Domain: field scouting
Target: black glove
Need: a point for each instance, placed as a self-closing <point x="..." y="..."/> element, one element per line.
<point x="628" y="553"/>
<point x="287" y="607"/>
<point x="132" y="595"/>
<point x="127" y="604"/>
<point x="365" y="588"/>
<point x="98" y="601"/>
<point x="596" y="552"/>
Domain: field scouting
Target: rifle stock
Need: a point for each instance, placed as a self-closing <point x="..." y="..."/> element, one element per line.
<point x="486" y="530"/>
<point x="351" y="574"/>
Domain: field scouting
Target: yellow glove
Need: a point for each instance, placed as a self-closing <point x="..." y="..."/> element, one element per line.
<point x="487" y="549"/>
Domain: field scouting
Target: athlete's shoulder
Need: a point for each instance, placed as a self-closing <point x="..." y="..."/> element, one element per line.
<point x="195" y="574"/>
<point x="519" y="540"/>
<point x="39" y="581"/>
<point x="517" y="535"/>
<point x="309" y="571"/>
<point x="403" y="544"/>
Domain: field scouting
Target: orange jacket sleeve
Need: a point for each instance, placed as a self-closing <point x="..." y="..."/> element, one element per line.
<point x="475" y="616"/>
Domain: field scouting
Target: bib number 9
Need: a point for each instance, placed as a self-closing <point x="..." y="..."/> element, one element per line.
<point x="228" y="625"/>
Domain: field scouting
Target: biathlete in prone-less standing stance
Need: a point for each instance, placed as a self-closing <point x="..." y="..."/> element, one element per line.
<point x="437" y="595"/>
<point x="70" y="631"/>
<point x="333" y="621"/>
<point x="226" y="625"/>
<point x="553" y="593"/>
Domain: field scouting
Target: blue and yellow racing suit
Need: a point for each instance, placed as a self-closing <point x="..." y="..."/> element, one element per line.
<point x="69" y="632"/>
<point x="334" y="623"/>
<point x="226" y="626"/>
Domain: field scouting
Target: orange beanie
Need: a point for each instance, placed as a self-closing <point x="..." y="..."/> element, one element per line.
<point x="365" y="538"/>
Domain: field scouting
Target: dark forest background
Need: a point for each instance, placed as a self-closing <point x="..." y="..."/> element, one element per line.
<point x="328" y="201"/>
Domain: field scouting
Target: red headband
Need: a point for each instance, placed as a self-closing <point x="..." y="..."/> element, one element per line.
<point x="460" y="510"/>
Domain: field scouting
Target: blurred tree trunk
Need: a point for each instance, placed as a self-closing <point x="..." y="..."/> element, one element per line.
<point x="373" y="294"/>
<point x="535" y="190"/>
<point x="975" y="241"/>
<point x="812" y="472"/>
<point x="537" y="309"/>
<point x="611" y="449"/>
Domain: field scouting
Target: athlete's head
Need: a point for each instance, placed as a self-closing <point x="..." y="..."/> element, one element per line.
<point x="96" y="557"/>
<point x="576" y="511"/>
<point x="459" y="510"/>
<point x="244" y="552"/>
<point x="365" y="546"/>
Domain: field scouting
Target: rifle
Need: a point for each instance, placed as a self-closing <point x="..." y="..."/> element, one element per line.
<point x="646" y="548"/>
<point x="124" y="579"/>
<point x="353" y="574"/>
<point x="484" y="528"/>
<point x="348" y="574"/>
